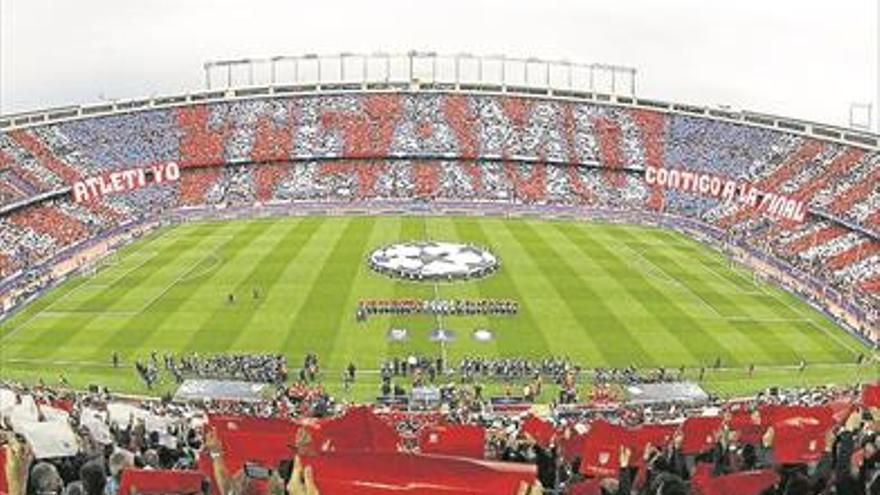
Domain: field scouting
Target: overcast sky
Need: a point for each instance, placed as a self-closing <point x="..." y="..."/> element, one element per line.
<point x="801" y="58"/>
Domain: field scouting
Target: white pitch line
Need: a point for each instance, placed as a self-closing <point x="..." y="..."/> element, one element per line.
<point x="89" y="285"/>
<point x="181" y="277"/>
<point x="766" y="320"/>
<point x="149" y="256"/>
<point x="93" y="364"/>
<point x="210" y="268"/>
<point x="88" y="312"/>
<point x="846" y="345"/>
<point x="438" y="318"/>
<point x="21" y="325"/>
<point x="674" y="280"/>
<point x="728" y="282"/>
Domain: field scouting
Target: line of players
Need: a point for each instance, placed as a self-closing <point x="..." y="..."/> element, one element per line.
<point x="442" y="307"/>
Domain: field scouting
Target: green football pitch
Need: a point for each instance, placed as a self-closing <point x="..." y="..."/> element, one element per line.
<point x="603" y="295"/>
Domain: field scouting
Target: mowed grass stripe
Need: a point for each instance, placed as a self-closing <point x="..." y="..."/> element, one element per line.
<point x="809" y="334"/>
<point x="215" y="280"/>
<point x="412" y="228"/>
<point x="599" y="324"/>
<point x="268" y="279"/>
<point x="55" y="338"/>
<point x="689" y="333"/>
<point x="802" y="337"/>
<point x="815" y="326"/>
<point x="648" y="290"/>
<point x="715" y="262"/>
<point x="147" y="279"/>
<point x="515" y="336"/>
<point x="316" y="325"/>
<point x="128" y="340"/>
<point x="365" y="343"/>
<point x="763" y="337"/>
<point x="825" y="342"/>
<point x="19" y="320"/>
<point x="777" y="302"/>
<point x="563" y="330"/>
<point x="444" y="228"/>
<point x="255" y="267"/>
<point x="612" y="281"/>
<point x="284" y="300"/>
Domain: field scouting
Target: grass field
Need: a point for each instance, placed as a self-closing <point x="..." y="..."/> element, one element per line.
<point x="603" y="295"/>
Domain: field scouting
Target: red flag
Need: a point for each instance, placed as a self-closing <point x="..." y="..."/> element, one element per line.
<point x="798" y="440"/>
<point x="4" y="483"/>
<point x="571" y="444"/>
<point x="222" y="423"/>
<point x="590" y="486"/>
<point x="772" y="415"/>
<point x="358" y="430"/>
<point x="65" y="405"/>
<point x="457" y="440"/>
<point x="799" y="432"/>
<point x="871" y="395"/>
<point x="542" y="431"/>
<point x="840" y="410"/>
<point x="266" y="441"/>
<point x="383" y="473"/>
<point x="206" y="466"/>
<point x="148" y="482"/>
<point x="700" y="433"/>
<point x="600" y="456"/>
<point x="657" y="435"/>
<point x="748" y="426"/>
<point x="744" y="483"/>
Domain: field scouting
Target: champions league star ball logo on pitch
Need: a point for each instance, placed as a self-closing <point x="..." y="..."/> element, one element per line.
<point x="431" y="261"/>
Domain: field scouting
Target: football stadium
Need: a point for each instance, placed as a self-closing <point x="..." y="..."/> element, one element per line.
<point x="434" y="273"/>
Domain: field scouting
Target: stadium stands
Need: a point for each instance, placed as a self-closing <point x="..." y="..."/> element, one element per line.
<point x="823" y="438"/>
<point x="467" y="150"/>
<point x="456" y="147"/>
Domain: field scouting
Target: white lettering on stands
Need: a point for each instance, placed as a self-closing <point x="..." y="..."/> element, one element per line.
<point x="118" y="181"/>
<point x="728" y="190"/>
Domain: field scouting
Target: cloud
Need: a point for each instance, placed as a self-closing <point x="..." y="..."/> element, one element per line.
<point x="796" y="58"/>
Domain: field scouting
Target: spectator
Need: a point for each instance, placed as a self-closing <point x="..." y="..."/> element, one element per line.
<point x="45" y="480"/>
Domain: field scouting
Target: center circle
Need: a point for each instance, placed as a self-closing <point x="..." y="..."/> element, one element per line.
<point x="433" y="261"/>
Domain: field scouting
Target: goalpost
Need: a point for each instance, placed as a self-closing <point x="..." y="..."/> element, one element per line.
<point x="91" y="269"/>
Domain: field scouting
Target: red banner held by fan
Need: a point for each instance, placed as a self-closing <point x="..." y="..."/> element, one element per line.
<point x="700" y="433"/>
<point x="542" y="431"/>
<point x="456" y="440"/>
<point x="600" y="456"/>
<point x="383" y="473"/>
<point x="871" y="395"/>
<point x="743" y="483"/>
<point x="159" y="482"/>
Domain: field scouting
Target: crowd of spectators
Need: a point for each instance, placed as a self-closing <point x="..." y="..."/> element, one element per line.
<point x="803" y="441"/>
<point x="97" y="438"/>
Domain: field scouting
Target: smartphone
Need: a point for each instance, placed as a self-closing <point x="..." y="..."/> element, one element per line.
<point x="255" y="471"/>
